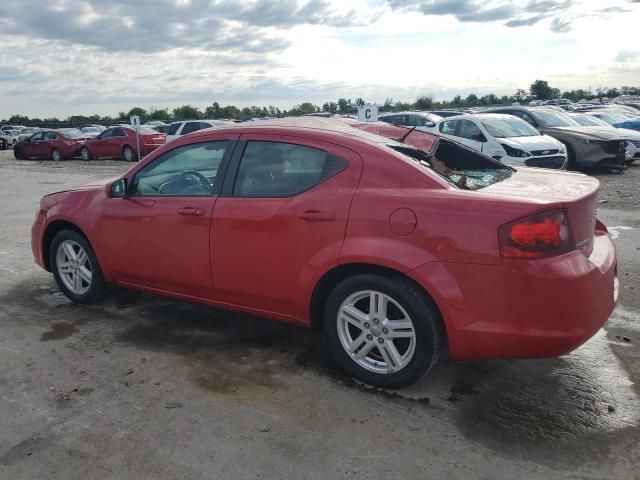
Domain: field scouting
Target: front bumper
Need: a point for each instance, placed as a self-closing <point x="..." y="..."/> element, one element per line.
<point x="601" y="154"/>
<point x="524" y="309"/>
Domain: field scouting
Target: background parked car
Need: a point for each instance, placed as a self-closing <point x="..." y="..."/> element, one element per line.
<point x="10" y="137"/>
<point x="632" y="137"/>
<point x="12" y="127"/>
<point x="587" y="146"/>
<point x="177" y="129"/>
<point x="506" y="138"/>
<point x="54" y="144"/>
<point x="120" y="142"/>
<point x="92" y="130"/>
<point x="411" y="119"/>
<point x="27" y="132"/>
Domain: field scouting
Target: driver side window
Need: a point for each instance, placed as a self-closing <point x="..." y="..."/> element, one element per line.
<point x="186" y="171"/>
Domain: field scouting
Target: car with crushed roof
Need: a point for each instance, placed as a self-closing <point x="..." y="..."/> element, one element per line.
<point x="398" y="254"/>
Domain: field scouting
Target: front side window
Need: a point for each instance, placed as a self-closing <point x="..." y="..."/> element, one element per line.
<point x="470" y="130"/>
<point x="173" y="129"/>
<point x="186" y="171"/>
<point x="449" y="127"/>
<point x="36" y="137"/>
<point x="416" y="121"/>
<point x="106" y="134"/>
<point x="118" y="132"/>
<point x="274" y="169"/>
<point x="50" y="136"/>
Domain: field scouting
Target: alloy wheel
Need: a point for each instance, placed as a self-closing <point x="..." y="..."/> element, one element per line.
<point x="376" y="332"/>
<point x="56" y="156"/>
<point x="74" y="267"/>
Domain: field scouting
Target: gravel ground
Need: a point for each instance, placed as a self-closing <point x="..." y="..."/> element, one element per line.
<point x="146" y="387"/>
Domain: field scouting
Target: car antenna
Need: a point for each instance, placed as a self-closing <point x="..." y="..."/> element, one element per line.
<point x="404" y="137"/>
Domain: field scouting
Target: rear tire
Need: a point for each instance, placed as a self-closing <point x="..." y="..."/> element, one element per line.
<point x="56" y="156"/>
<point x="391" y="347"/>
<point x="128" y="154"/>
<point x="75" y="267"/>
<point x="85" y="154"/>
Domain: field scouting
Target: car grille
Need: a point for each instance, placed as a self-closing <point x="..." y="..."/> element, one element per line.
<point x="614" y="146"/>
<point x="546" y="162"/>
<point x="539" y="153"/>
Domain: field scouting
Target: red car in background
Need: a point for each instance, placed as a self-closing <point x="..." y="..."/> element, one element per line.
<point x="54" y="144"/>
<point x="120" y="142"/>
<point x="378" y="243"/>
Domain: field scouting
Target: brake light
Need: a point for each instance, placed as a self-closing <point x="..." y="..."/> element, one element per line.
<point x="538" y="236"/>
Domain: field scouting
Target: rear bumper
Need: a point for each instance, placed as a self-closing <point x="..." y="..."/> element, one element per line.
<point x="147" y="148"/>
<point x="524" y="309"/>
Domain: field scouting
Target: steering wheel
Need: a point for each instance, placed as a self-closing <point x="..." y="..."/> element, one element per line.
<point x="185" y="180"/>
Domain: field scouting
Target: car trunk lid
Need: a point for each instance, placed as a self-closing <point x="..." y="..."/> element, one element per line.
<point x="574" y="192"/>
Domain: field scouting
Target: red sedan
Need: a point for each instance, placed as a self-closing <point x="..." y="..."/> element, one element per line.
<point x="121" y="142"/>
<point x="54" y="144"/>
<point x="397" y="253"/>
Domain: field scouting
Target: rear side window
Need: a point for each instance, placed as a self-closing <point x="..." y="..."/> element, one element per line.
<point x="118" y="132"/>
<point x="50" y="136"/>
<point x="416" y="121"/>
<point x="274" y="169"/>
<point x="173" y="129"/>
<point x="449" y="127"/>
<point x="36" y="137"/>
<point x="190" y="127"/>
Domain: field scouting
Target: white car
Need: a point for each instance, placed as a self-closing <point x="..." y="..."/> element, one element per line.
<point x="27" y="132"/>
<point x="411" y="119"/>
<point x="506" y="138"/>
<point x="10" y="137"/>
<point x="177" y="129"/>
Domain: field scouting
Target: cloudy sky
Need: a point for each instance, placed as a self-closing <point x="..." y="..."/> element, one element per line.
<point x="63" y="57"/>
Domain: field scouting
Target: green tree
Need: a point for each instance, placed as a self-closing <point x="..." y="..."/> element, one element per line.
<point x="230" y="111"/>
<point x="520" y="95"/>
<point x="472" y="100"/>
<point x="159" y="114"/>
<point x="423" y="102"/>
<point x="186" y="112"/>
<point x="540" y="90"/>
<point x="18" y="119"/>
<point x="140" y="112"/>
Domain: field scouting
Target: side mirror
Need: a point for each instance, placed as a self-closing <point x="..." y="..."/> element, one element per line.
<point x="118" y="189"/>
<point x="478" y="137"/>
<point x="429" y="124"/>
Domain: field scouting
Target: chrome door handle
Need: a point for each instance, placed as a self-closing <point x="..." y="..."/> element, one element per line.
<point x="191" y="211"/>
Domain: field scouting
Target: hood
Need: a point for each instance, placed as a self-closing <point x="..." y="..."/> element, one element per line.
<point x="94" y="185"/>
<point x="629" y="134"/>
<point x="536" y="142"/>
<point x="598" y="133"/>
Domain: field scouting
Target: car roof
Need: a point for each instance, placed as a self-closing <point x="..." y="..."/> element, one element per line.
<point x="306" y="127"/>
<point x="407" y="112"/>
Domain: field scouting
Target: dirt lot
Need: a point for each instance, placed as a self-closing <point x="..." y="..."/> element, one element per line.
<point x="145" y="387"/>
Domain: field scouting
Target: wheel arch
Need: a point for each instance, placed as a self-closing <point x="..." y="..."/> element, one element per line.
<point x="50" y="232"/>
<point x="330" y="279"/>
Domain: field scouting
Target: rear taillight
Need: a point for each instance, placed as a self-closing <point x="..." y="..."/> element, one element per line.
<point x="538" y="236"/>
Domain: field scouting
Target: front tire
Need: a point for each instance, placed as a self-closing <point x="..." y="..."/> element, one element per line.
<point x="127" y="154"/>
<point x="85" y="154"/>
<point x="75" y="267"/>
<point x="383" y="331"/>
<point x="17" y="152"/>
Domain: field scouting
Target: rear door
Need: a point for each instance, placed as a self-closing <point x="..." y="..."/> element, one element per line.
<point x="99" y="145"/>
<point x="49" y="142"/>
<point x="281" y="217"/>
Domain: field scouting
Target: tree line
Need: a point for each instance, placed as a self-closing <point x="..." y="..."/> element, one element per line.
<point x="538" y="90"/>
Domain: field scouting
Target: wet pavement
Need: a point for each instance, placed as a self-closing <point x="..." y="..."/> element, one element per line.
<point x="146" y="387"/>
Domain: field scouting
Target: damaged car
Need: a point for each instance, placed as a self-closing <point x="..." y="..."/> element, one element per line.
<point x="398" y="254"/>
<point x="586" y="146"/>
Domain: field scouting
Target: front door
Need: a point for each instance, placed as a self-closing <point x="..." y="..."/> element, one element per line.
<point x="470" y="134"/>
<point x="36" y="146"/>
<point x="99" y="145"/>
<point x="158" y="236"/>
<point x="281" y="217"/>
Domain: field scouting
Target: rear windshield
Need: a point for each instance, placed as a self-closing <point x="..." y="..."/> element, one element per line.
<point x="461" y="167"/>
<point x="509" y="127"/>
<point x="72" y="133"/>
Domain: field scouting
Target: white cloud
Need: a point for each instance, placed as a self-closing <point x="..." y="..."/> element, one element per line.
<point x="73" y="56"/>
